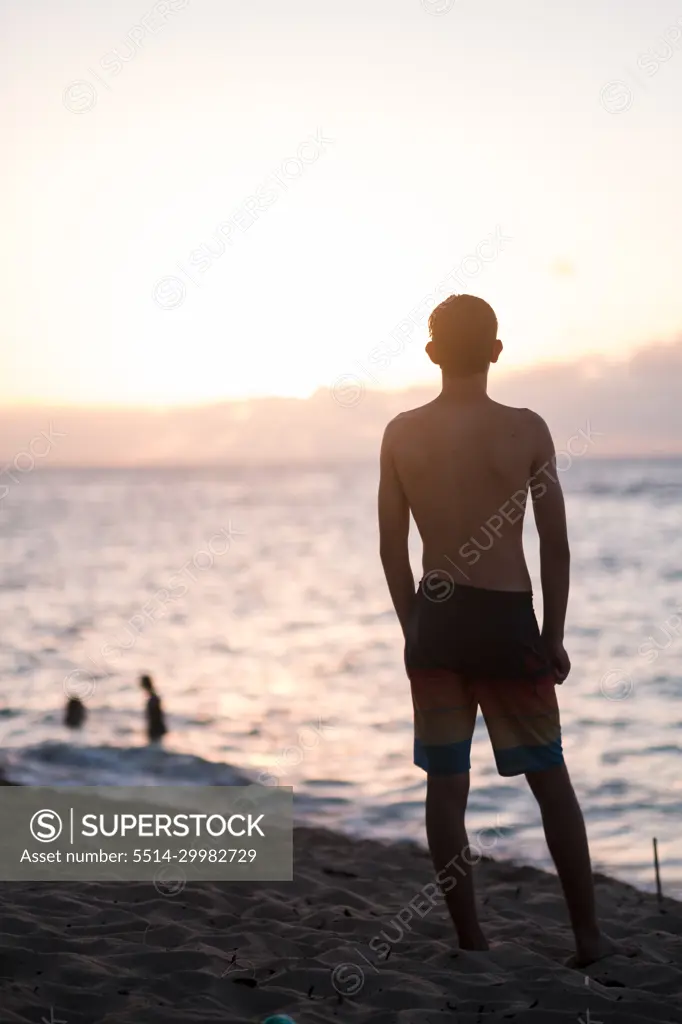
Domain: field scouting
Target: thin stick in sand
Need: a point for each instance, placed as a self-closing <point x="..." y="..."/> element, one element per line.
<point x="659" y="891"/>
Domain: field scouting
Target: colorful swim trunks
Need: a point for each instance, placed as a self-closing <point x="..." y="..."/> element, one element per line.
<point x="476" y="648"/>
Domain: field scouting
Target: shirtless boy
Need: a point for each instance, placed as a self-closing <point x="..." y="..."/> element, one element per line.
<point x="463" y="465"/>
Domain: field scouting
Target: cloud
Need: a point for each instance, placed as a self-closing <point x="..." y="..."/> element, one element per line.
<point x="634" y="404"/>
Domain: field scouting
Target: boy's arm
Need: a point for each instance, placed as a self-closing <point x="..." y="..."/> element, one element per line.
<point x="394" y="526"/>
<point x="555" y="558"/>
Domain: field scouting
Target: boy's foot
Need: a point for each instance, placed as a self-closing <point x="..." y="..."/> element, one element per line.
<point x="589" y="951"/>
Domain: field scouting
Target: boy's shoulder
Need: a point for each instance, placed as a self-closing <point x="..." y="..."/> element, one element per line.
<point x="409" y="416"/>
<point x="531" y="423"/>
<point x="520" y="412"/>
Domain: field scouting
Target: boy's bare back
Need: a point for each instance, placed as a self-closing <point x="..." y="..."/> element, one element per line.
<point x="465" y="469"/>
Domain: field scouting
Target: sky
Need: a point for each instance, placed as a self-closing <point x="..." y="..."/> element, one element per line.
<point x="214" y="199"/>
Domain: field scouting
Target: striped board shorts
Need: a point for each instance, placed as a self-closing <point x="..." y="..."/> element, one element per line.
<point x="471" y="648"/>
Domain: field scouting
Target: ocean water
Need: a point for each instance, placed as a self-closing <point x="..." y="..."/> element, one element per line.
<point x="255" y="598"/>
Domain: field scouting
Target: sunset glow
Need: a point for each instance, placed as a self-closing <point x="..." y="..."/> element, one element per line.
<point x="204" y="204"/>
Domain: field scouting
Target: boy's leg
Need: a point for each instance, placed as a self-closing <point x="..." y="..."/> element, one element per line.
<point x="444" y="721"/>
<point x="523" y="721"/>
<point x="566" y="837"/>
<point x="446" y="800"/>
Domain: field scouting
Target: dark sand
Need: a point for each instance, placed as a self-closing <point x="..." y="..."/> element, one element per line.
<point x="127" y="954"/>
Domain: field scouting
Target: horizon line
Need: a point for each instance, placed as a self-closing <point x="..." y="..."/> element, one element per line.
<point x="302" y="463"/>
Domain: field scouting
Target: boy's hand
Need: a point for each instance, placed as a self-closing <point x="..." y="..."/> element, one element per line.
<point x="559" y="660"/>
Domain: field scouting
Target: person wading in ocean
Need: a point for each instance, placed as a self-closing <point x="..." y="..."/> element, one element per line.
<point x="156" y="720"/>
<point x="74" y="713"/>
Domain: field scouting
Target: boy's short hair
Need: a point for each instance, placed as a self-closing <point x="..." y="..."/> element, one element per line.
<point x="463" y="331"/>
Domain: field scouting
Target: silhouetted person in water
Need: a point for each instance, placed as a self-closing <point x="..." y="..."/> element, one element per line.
<point x="74" y="713"/>
<point x="156" y="721"/>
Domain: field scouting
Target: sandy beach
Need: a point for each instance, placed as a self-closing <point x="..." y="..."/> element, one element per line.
<point x="316" y="948"/>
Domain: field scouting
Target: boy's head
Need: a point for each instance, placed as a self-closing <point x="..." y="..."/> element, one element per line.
<point x="147" y="684"/>
<point x="464" y="338"/>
